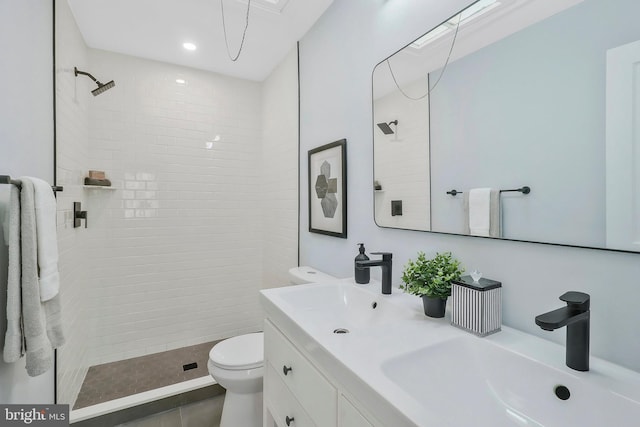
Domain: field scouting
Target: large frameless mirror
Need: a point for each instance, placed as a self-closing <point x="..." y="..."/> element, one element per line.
<point x="518" y="114"/>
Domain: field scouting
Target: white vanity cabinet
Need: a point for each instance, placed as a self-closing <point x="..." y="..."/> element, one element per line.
<point x="297" y="393"/>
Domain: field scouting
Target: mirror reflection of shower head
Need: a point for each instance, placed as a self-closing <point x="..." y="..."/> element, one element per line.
<point x="101" y="87"/>
<point x="386" y="128"/>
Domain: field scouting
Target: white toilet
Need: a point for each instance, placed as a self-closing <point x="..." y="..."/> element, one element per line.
<point x="237" y="364"/>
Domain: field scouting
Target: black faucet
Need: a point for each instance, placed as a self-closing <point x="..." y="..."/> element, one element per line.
<point x="575" y="316"/>
<point x="385" y="264"/>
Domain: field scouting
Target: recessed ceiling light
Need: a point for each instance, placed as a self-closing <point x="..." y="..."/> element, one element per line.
<point x="189" y="46"/>
<point x="181" y="81"/>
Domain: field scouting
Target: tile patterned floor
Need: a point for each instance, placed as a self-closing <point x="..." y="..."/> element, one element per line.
<point x="206" y="413"/>
<point x="123" y="378"/>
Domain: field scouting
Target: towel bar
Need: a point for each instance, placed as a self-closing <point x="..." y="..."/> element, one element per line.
<point x="523" y="190"/>
<point x="6" y="179"/>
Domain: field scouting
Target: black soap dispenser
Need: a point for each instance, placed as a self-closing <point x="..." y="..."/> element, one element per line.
<point x="361" y="274"/>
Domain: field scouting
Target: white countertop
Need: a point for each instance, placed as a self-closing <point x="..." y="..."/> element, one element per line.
<point x="356" y="359"/>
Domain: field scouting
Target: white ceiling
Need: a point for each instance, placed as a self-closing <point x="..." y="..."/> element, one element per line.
<point x="156" y="29"/>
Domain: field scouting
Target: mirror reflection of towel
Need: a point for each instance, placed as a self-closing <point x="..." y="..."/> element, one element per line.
<point x="482" y="212"/>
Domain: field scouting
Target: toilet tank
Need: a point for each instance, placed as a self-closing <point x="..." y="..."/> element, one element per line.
<point x="305" y="274"/>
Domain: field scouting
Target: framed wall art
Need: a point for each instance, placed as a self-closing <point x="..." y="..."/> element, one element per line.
<point x="328" y="189"/>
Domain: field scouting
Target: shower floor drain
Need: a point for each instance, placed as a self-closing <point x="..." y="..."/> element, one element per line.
<point x="341" y="331"/>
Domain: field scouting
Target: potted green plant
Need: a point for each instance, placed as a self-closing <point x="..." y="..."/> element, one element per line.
<point x="431" y="279"/>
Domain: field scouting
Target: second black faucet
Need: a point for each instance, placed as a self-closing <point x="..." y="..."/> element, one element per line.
<point x="575" y="316"/>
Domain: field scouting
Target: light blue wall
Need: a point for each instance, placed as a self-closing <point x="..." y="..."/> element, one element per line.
<point x="336" y="61"/>
<point x="533" y="106"/>
<point x="26" y="146"/>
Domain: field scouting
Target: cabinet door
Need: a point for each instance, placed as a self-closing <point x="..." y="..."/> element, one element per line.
<point x="282" y="407"/>
<point x="349" y="416"/>
<point x="315" y="393"/>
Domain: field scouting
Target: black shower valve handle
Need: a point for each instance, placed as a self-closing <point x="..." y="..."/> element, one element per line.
<point x="79" y="215"/>
<point x="83" y="215"/>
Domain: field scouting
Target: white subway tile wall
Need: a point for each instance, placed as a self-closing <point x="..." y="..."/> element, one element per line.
<point x="204" y="211"/>
<point x="175" y="252"/>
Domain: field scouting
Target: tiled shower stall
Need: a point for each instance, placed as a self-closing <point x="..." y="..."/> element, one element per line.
<point x="203" y="210"/>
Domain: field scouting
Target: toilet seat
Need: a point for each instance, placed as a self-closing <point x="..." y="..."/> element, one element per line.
<point x="239" y="353"/>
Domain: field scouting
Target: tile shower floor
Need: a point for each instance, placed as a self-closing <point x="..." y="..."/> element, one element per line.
<point x="126" y="377"/>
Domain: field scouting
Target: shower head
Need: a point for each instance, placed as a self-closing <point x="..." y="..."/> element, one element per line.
<point x="386" y="129"/>
<point x="101" y="87"/>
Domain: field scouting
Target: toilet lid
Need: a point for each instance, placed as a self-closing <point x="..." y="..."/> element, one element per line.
<point x="241" y="352"/>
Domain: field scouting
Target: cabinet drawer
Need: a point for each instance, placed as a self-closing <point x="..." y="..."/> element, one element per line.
<point x="316" y="395"/>
<point x="281" y="403"/>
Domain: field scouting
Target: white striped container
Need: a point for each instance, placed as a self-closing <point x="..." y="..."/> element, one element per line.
<point x="477" y="307"/>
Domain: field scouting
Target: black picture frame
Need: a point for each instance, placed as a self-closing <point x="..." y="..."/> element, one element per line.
<point x="327" y="186"/>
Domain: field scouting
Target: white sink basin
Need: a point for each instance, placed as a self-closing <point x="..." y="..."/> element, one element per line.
<point x="338" y="305"/>
<point x="470" y="381"/>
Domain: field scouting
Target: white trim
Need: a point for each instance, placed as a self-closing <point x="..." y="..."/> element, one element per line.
<point x="139" y="399"/>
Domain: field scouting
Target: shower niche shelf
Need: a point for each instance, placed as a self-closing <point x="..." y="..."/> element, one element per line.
<point x="98" y="187"/>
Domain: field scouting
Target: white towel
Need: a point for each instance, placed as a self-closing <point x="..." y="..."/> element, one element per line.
<point x="39" y="352"/>
<point x="34" y="328"/>
<point x="482" y="212"/>
<point x="14" y="336"/>
<point x="479" y="211"/>
<point x="45" y="205"/>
